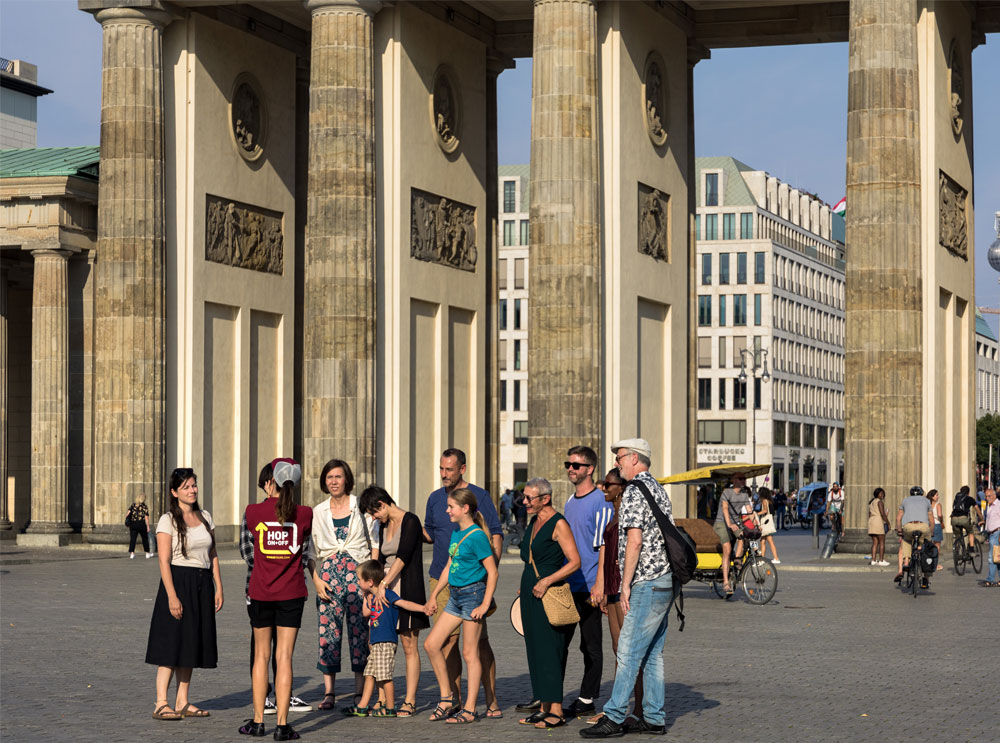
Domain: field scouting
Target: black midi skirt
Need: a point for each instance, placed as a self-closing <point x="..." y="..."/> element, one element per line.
<point x="188" y="642"/>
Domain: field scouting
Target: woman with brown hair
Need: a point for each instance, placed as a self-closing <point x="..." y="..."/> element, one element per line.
<point x="878" y="526"/>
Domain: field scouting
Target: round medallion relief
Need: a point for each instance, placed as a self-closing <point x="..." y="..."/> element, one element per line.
<point x="247" y="117"/>
<point x="446" y="109"/>
<point x="654" y="99"/>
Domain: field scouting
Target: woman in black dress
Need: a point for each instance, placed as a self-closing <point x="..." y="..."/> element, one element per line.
<point x="548" y="544"/>
<point x="400" y="550"/>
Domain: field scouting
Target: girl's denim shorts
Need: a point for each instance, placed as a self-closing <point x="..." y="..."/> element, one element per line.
<point x="465" y="598"/>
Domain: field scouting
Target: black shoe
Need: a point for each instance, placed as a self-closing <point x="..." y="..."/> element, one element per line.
<point x="898" y="578"/>
<point x="285" y="732"/>
<point x="639" y="725"/>
<point x="606" y="728"/>
<point x="255" y="729"/>
<point x="580" y="709"/>
<point x="925" y="584"/>
<point x="533" y="706"/>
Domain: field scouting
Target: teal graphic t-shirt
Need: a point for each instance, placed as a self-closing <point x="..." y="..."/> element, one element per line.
<point x="468" y="548"/>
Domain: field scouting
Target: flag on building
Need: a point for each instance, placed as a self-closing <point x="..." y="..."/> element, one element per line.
<point x="840" y="207"/>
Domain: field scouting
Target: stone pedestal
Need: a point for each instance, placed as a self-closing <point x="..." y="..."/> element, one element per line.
<point x="565" y="317"/>
<point x="129" y="313"/>
<point x="50" y="394"/>
<point x="338" y="408"/>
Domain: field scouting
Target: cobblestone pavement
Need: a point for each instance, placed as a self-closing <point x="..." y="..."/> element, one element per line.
<point x="835" y="656"/>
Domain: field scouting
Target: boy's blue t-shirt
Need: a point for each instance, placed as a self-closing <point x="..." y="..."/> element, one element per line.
<point x="467" y="559"/>
<point x="383" y="620"/>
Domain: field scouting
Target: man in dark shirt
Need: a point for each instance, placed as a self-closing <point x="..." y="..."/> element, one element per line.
<point x="438" y="529"/>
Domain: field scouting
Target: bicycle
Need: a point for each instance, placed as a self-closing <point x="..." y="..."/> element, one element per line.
<point x="755" y="574"/>
<point x="962" y="554"/>
<point x="913" y="573"/>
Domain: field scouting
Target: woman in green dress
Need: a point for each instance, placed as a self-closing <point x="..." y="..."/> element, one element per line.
<point x="548" y="543"/>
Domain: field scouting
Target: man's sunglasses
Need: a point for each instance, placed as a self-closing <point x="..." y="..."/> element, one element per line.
<point x="575" y="465"/>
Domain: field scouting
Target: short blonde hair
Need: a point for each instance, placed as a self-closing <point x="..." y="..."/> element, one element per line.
<point x="140" y="498"/>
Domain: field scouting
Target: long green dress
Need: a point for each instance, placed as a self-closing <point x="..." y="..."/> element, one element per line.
<point x="547" y="646"/>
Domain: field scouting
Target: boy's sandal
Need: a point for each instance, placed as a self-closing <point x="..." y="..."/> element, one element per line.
<point x="493" y="714"/>
<point x="380" y="710"/>
<point x="443" y="711"/>
<point x="328" y="705"/>
<point x="186" y="712"/>
<point x="159" y="714"/>
<point x="545" y="724"/>
<point x="532" y="718"/>
<point x="463" y="717"/>
<point x="356" y="711"/>
<point x="406" y="709"/>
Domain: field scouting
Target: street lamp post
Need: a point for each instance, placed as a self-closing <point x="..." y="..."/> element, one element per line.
<point x="757" y="370"/>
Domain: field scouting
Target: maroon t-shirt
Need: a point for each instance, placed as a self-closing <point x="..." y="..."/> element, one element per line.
<point x="612" y="574"/>
<point x="277" y="552"/>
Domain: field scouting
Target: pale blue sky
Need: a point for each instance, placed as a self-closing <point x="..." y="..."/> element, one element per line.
<point x="780" y="109"/>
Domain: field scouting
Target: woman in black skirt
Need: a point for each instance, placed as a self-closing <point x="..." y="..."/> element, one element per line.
<point x="182" y="632"/>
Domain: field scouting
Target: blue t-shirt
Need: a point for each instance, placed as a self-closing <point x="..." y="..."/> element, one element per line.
<point x="440" y="527"/>
<point x="467" y="557"/>
<point x="587" y="518"/>
<point x="383" y="620"/>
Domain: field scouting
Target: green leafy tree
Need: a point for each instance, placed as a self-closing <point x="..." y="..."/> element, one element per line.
<point x="988" y="432"/>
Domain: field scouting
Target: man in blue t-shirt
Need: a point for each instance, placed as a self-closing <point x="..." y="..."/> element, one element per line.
<point x="438" y="529"/>
<point x="588" y="513"/>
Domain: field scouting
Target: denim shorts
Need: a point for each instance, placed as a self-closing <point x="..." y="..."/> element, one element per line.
<point x="464" y="599"/>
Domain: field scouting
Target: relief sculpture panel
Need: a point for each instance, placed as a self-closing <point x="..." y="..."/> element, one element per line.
<point x="442" y="231"/>
<point x="953" y="228"/>
<point x="654" y="233"/>
<point x="242" y="235"/>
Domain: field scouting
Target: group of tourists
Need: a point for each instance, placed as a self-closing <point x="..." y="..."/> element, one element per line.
<point x="604" y="556"/>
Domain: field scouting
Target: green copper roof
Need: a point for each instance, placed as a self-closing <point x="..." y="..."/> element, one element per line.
<point x="40" y="161"/>
<point x="982" y="328"/>
<point x="737" y="192"/>
<point x="520" y="171"/>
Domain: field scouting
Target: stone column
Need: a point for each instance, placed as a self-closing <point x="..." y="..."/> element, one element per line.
<point x="5" y="522"/>
<point x="338" y="416"/>
<point x="884" y="380"/>
<point x="565" y="317"/>
<point x="50" y="394"/>
<point x="129" y="310"/>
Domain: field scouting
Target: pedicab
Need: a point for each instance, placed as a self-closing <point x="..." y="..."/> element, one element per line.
<point x="754" y="573"/>
<point x="811" y="501"/>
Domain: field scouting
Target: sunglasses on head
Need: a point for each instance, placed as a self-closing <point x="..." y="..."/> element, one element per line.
<point x="575" y="465"/>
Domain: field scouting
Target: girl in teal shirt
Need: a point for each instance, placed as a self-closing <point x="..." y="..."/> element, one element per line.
<point x="471" y="575"/>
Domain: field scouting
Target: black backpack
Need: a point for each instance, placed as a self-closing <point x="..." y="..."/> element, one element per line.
<point x="680" y="551"/>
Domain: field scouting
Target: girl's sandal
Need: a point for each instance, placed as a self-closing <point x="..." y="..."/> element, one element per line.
<point x="406" y="709"/>
<point x="443" y="711"/>
<point x="356" y="711"/>
<point x="462" y="717"/>
<point x="380" y="710"/>
<point x="325" y="705"/>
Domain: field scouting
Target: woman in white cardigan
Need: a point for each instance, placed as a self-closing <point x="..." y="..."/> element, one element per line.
<point x="341" y="539"/>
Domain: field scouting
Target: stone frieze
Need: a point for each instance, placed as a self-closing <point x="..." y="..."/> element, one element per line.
<point x="243" y="235"/>
<point x="442" y="231"/>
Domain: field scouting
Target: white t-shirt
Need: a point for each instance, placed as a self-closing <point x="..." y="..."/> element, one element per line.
<point x="197" y="544"/>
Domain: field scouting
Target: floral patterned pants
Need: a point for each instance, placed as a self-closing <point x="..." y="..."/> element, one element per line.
<point x="343" y="607"/>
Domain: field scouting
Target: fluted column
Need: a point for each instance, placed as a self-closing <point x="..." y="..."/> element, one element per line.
<point x="565" y="317"/>
<point x="5" y="522"/>
<point x="338" y="416"/>
<point x="884" y="290"/>
<point x="50" y="394"/>
<point x="129" y="311"/>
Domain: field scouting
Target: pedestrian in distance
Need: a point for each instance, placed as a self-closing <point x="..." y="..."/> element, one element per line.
<point x="878" y="527"/>
<point x="137" y="520"/>
<point x="400" y="553"/>
<point x="277" y="591"/>
<point x="182" y="631"/>
<point x="992" y="515"/>
<point x="938" y="536"/>
<point x="780" y="508"/>
<point x="341" y="541"/>
<point x="381" y="608"/>
<point x="767" y="526"/>
<point x="470" y="574"/>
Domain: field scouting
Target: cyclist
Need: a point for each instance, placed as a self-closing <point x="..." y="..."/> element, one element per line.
<point x="728" y="525"/>
<point x="835" y="509"/>
<point x="964" y="510"/>
<point x="914" y="515"/>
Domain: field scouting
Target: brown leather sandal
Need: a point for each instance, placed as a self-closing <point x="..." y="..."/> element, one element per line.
<point x="159" y="714"/>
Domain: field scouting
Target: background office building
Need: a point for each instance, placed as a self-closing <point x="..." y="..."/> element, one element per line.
<point x="19" y="93"/>
<point x="987" y="369"/>
<point x="512" y="283"/>
<point x="770" y="348"/>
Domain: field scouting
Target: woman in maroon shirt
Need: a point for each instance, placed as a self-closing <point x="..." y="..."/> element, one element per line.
<point x="277" y="590"/>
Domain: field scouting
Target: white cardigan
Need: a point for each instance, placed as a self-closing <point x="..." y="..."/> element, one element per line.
<point x="324" y="538"/>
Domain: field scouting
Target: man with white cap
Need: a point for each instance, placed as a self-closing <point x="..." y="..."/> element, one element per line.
<point x="646" y="596"/>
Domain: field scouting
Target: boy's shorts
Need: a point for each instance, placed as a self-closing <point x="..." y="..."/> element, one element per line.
<point x="381" y="661"/>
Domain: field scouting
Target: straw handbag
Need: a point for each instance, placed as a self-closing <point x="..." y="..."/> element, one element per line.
<point x="558" y="600"/>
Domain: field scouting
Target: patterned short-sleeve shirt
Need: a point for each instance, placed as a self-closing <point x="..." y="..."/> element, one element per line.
<point x="635" y="513"/>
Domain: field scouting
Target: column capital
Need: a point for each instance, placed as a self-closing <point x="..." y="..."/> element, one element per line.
<point x="51" y="252"/>
<point x="369" y="7"/>
<point x="578" y="2"/>
<point x="144" y="12"/>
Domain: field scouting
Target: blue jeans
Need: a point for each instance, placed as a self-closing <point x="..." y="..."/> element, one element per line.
<point x="640" y="649"/>
<point x="994" y="568"/>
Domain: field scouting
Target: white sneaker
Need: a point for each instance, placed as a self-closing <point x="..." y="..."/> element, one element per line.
<point x="269" y="708"/>
<point x="297" y="704"/>
<point x="148" y="555"/>
<point x="883" y="564"/>
<point x="775" y="561"/>
<point x="131" y="555"/>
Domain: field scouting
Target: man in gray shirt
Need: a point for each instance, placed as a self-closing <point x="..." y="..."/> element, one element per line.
<point x="914" y="515"/>
<point x="727" y="522"/>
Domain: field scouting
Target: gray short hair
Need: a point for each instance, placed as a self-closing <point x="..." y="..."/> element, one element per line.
<point x="643" y="458"/>
<point x="543" y="486"/>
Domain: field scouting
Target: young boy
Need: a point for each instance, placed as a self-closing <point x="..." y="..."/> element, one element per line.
<point x="382" y="640"/>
